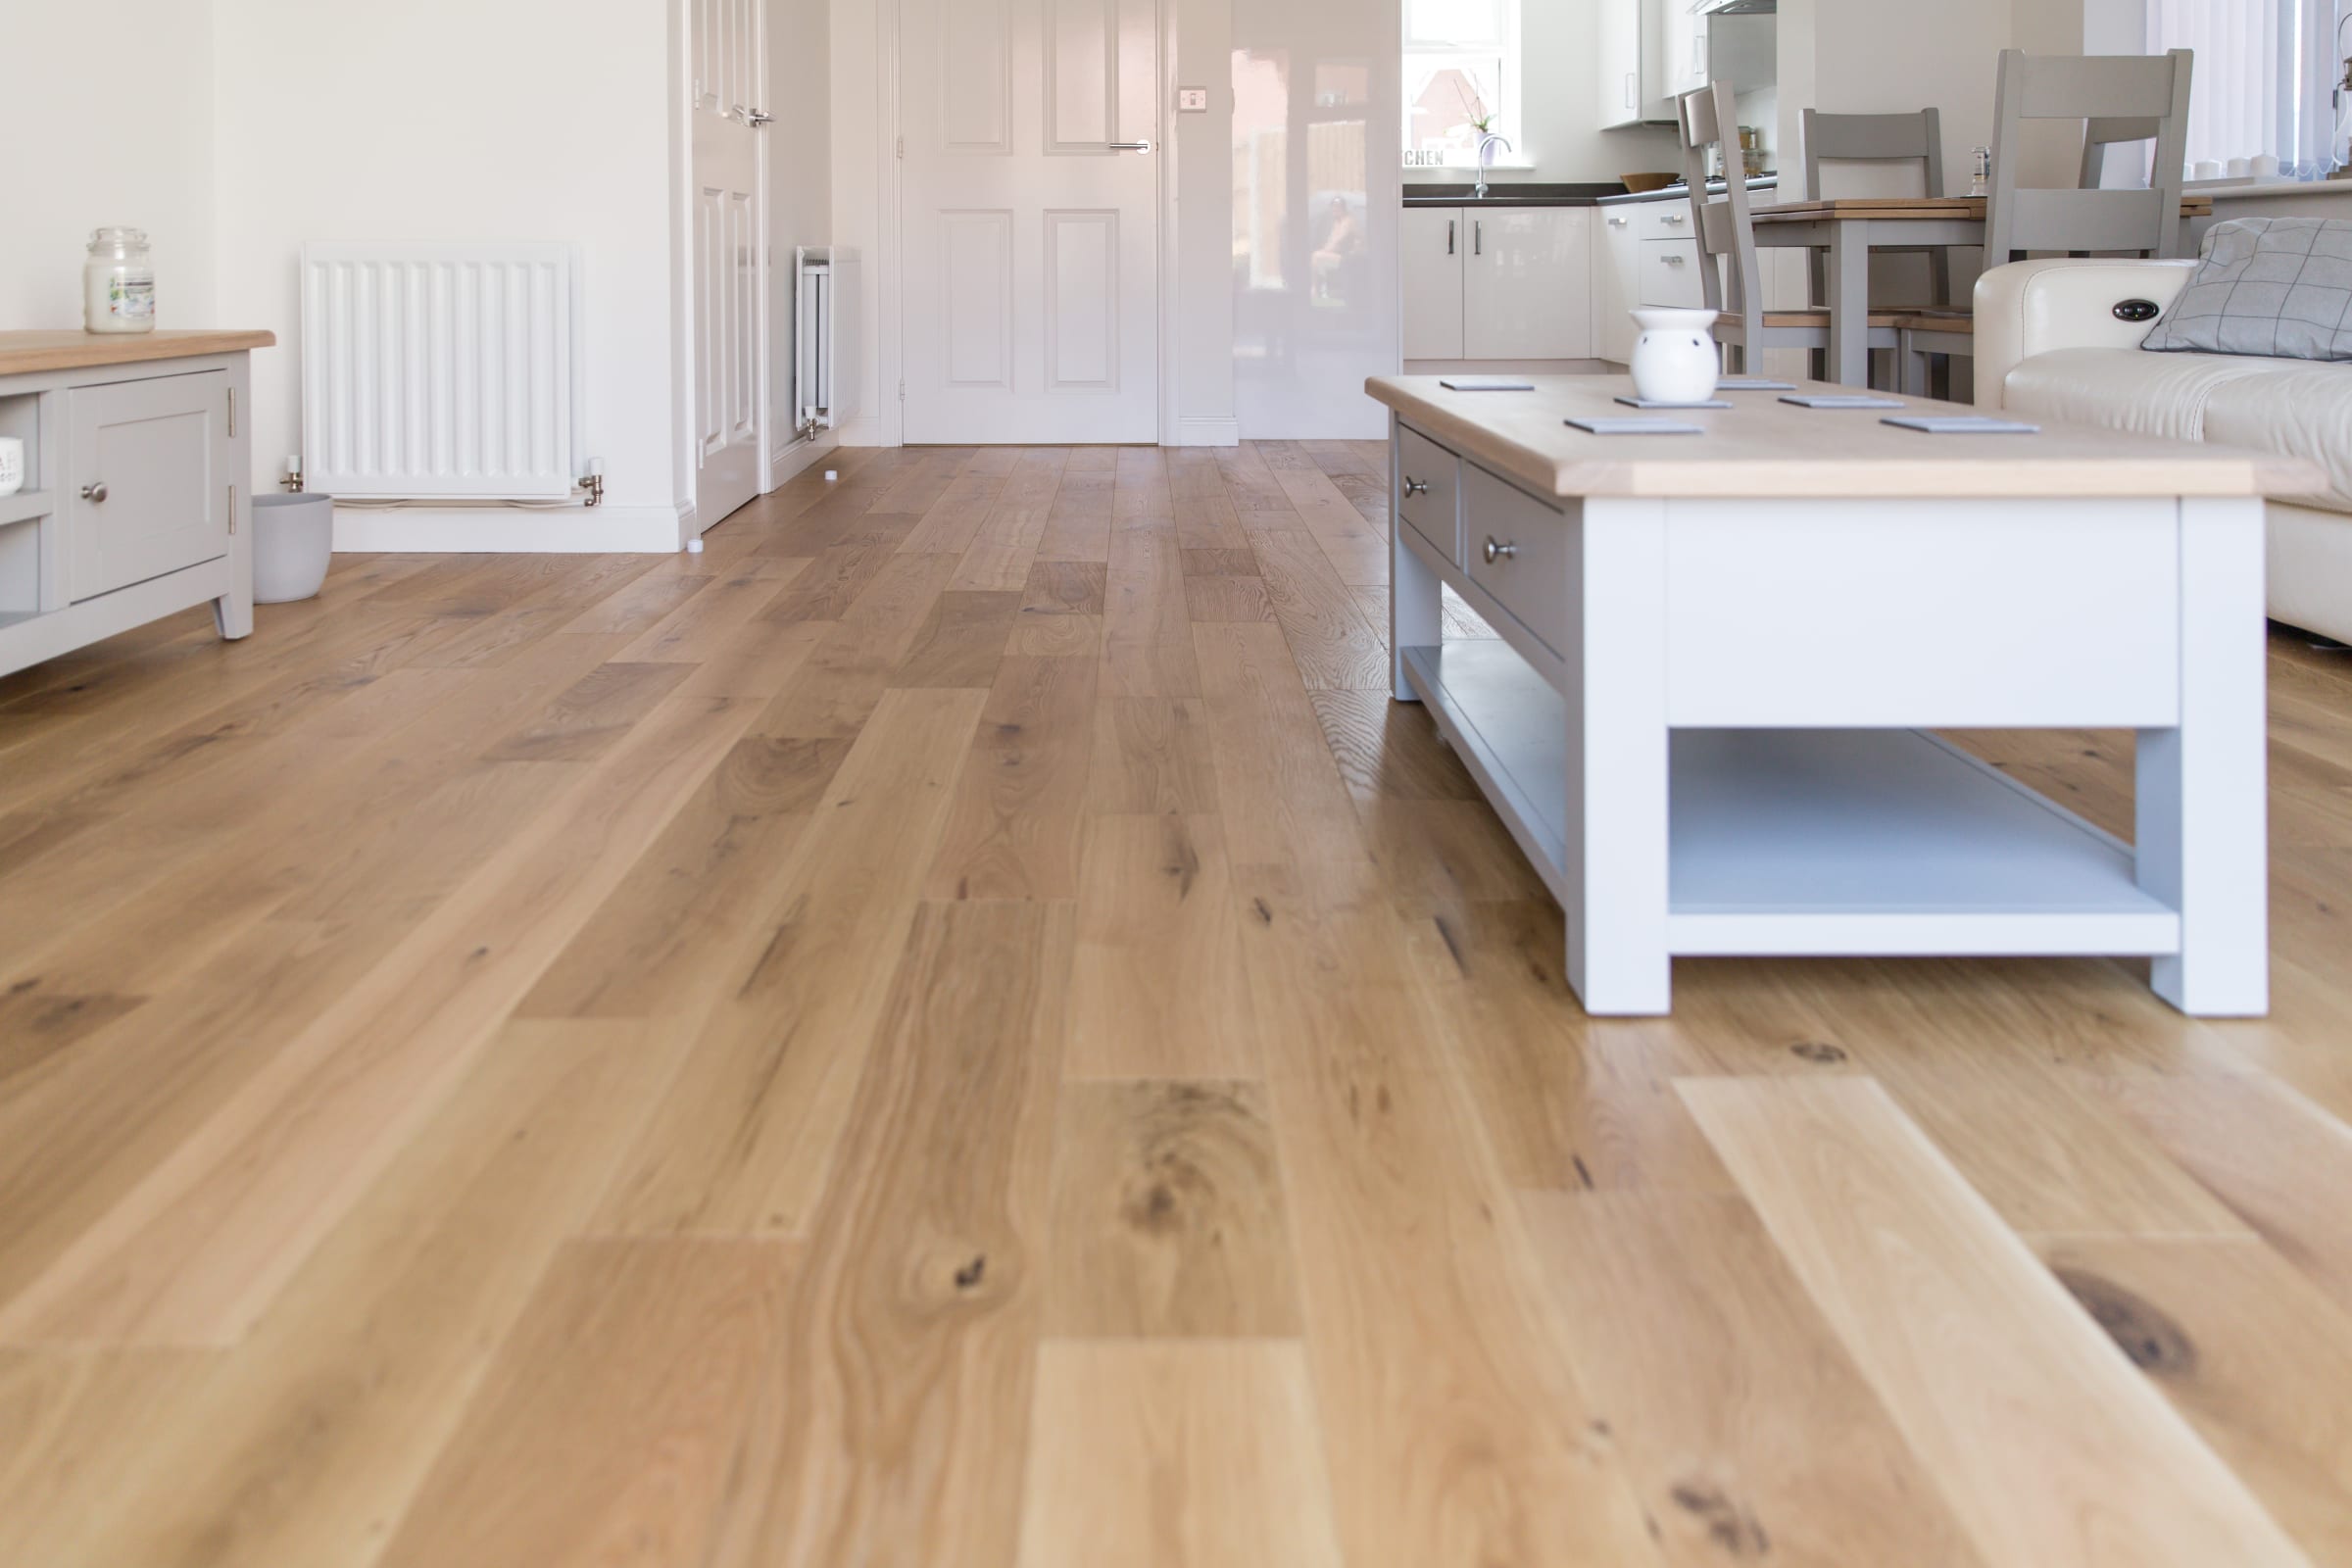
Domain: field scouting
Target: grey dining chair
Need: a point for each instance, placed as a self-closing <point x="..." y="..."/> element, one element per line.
<point x="1914" y="138"/>
<point x="1729" y="277"/>
<point x="2116" y="99"/>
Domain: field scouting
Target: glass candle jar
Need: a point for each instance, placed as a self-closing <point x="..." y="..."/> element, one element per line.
<point x="117" y="282"/>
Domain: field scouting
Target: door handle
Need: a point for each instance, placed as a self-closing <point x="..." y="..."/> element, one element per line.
<point x="1478" y="236"/>
<point x="95" y="492"/>
<point x="1128" y="146"/>
<point x="1449" y="222"/>
<point x="756" y="120"/>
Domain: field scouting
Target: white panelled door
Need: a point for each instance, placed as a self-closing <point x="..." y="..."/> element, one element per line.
<point x="1031" y="291"/>
<point x="728" y="253"/>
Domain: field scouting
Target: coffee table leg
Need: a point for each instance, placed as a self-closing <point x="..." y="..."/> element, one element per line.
<point x="2202" y="820"/>
<point x="1616" y="760"/>
<point x="1417" y="595"/>
<point x="1849" y="305"/>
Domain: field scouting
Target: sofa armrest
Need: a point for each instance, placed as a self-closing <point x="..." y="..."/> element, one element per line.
<point x="2029" y="308"/>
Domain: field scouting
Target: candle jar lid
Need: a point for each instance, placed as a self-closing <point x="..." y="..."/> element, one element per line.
<point x="117" y="238"/>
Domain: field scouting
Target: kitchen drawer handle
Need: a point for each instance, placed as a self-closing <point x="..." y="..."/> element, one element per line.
<point x="1416" y="487"/>
<point x="1672" y="218"/>
<point x="1499" y="552"/>
<point x="1617" y="222"/>
<point x="94" y="492"/>
<point x="1671" y="261"/>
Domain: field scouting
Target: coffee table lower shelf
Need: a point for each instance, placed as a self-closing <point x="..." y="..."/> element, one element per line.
<point x="1813" y="842"/>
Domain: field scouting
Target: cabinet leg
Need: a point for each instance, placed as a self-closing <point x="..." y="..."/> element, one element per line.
<point x="1617" y="760"/>
<point x="232" y="614"/>
<point x="1417" y="595"/>
<point x="2201" y="830"/>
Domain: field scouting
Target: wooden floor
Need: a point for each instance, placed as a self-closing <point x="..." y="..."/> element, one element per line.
<point x="960" y="1026"/>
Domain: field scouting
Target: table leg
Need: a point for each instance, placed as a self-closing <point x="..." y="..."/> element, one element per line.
<point x="1616" y="769"/>
<point x="1416" y="609"/>
<point x="2199" y="799"/>
<point x="1849" y="305"/>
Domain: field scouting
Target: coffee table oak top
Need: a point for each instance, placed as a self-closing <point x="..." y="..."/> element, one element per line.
<point x="1761" y="446"/>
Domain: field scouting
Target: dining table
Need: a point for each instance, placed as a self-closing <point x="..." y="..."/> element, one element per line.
<point x="1848" y="229"/>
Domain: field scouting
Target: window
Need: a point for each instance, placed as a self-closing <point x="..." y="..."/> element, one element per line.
<point x="2264" y="81"/>
<point x="1461" y="78"/>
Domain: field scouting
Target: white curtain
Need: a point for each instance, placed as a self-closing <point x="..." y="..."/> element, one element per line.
<point x="2264" y="77"/>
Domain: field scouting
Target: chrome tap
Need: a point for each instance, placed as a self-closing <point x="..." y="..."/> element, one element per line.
<point x="1485" y="150"/>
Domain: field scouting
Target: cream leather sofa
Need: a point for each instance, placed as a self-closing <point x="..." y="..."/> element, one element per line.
<point x="2048" y="343"/>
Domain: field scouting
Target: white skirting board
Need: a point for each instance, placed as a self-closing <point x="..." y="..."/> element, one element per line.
<point x="1213" y="431"/>
<point x="788" y="461"/>
<point x="514" y="530"/>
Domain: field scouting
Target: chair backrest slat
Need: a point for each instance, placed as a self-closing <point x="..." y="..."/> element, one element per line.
<point x="2116" y="98"/>
<point x="1875" y="139"/>
<point x="1726" y="239"/>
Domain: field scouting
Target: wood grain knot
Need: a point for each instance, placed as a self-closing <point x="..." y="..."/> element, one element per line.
<point x="1728" y="1525"/>
<point x="2156" y="1345"/>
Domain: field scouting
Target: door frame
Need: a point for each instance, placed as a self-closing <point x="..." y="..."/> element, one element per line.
<point x="890" y="274"/>
<point x="683" y="366"/>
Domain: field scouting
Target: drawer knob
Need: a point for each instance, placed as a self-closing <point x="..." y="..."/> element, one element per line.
<point x="1416" y="487"/>
<point x="94" y="492"/>
<point x="1499" y="552"/>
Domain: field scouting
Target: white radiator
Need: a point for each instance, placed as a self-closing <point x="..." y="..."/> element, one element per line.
<point x="441" y="372"/>
<point x="825" y="304"/>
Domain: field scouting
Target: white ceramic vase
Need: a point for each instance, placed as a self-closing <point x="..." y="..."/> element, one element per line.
<point x="1675" y="358"/>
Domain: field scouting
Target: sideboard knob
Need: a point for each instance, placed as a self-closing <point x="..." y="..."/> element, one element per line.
<point x="1416" y="487"/>
<point x="1499" y="552"/>
<point x="94" y="492"/>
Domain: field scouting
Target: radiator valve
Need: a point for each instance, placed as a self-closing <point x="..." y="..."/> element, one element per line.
<point x="593" y="481"/>
<point x="293" y="476"/>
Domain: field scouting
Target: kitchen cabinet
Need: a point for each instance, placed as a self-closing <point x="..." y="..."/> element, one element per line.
<point x="1616" y="283"/>
<point x="1527" y="284"/>
<point x="1498" y="283"/>
<point x="1434" y="242"/>
<point x="1630" y="62"/>
<point x="1683" y="65"/>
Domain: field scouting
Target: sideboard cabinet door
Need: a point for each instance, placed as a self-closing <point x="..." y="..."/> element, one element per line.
<point x="147" y="483"/>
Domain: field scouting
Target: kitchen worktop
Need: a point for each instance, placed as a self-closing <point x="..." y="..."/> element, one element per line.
<point x="1529" y="193"/>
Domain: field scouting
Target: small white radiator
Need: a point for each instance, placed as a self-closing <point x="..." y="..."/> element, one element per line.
<point x="824" y="291"/>
<point x="441" y="372"/>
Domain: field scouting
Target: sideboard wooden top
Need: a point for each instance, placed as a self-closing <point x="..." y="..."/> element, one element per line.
<point x="1762" y="447"/>
<point x="25" y="352"/>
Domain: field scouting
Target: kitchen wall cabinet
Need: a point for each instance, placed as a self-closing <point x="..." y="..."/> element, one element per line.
<point x="1683" y="65"/>
<point x="1630" y="64"/>
<point x="1499" y="283"/>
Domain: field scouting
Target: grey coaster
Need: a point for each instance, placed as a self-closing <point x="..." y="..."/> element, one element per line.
<point x="1651" y="403"/>
<point x="1753" y="383"/>
<point x="1843" y="400"/>
<point x="1484" y="383"/>
<point x="1608" y="424"/>
<point x="1963" y="424"/>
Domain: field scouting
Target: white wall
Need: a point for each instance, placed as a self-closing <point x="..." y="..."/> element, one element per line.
<point x="1890" y="56"/>
<point x="799" y="175"/>
<point x="1557" y="39"/>
<point x="855" y="160"/>
<point x="1202" y="284"/>
<point x="128" y="143"/>
<point x="454" y="119"/>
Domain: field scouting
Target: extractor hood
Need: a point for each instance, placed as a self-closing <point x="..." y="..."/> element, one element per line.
<point x="1736" y="8"/>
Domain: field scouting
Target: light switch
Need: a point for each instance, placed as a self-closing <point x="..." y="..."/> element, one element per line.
<point x="1191" y="100"/>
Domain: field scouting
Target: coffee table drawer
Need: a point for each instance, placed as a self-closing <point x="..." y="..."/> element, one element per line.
<point x="1516" y="548"/>
<point x="1429" y="484"/>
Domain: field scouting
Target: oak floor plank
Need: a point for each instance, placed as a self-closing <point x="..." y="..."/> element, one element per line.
<point x="1168" y="1215"/>
<point x="1456" y="1429"/>
<point x="1065" y="587"/>
<point x="2047" y="1444"/>
<point x="603" y="1429"/>
<point x="891" y="1422"/>
<point x="304" y="1442"/>
<point x="1152" y="754"/>
<point x="1201" y="1454"/>
<point x="2256" y="1358"/>
<point x="1336" y="646"/>
<point x="1748" y="1428"/>
<point x="743" y="1140"/>
<point x="1279" y="790"/>
<point x="1016" y="825"/>
<point x="1156" y="990"/>
<point x="197" y="1249"/>
<point x="961" y="642"/>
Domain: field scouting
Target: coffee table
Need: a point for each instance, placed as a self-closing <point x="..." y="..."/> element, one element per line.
<point x="1707" y="719"/>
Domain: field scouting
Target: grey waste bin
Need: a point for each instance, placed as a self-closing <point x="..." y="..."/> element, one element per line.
<point x="293" y="539"/>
